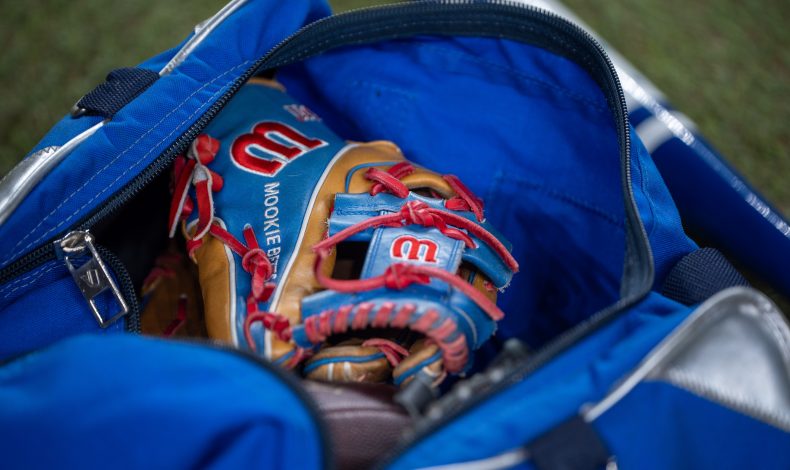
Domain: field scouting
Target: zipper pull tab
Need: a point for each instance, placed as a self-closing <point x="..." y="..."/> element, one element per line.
<point x="91" y="276"/>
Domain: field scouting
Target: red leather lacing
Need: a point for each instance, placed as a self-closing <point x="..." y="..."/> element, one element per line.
<point x="400" y="275"/>
<point x="180" y="319"/>
<point x="465" y="200"/>
<point x="390" y="181"/>
<point x="367" y="315"/>
<point x="393" y="351"/>
<point x="155" y="277"/>
<point x="192" y="170"/>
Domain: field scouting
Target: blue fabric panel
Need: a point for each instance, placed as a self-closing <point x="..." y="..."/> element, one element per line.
<point x="572" y="445"/>
<point x="142" y="130"/>
<point x="638" y="115"/>
<point x="714" y="198"/>
<point x="658" y="212"/>
<point x="659" y="426"/>
<point x="527" y="130"/>
<point x="133" y="402"/>
<point x="553" y="393"/>
<point x="44" y="306"/>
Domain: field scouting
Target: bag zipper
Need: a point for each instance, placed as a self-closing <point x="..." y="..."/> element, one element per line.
<point x="126" y="286"/>
<point x="85" y="262"/>
<point x="502" y="19"/>
<point x="92" y="277"/>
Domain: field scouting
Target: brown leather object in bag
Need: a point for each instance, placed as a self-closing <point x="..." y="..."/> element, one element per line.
<point x="363" y="422"/>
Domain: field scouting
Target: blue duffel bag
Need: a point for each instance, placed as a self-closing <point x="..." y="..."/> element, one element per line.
<point x="624" y="345"/>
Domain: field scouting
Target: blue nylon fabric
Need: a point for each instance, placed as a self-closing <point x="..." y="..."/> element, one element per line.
<point x="658" y="212"/>
<point x="44" y="306"/>
<point x="553" y="393"/>
<point x="132" y="402"/>
<point x="699" y="275"/>
<point x="143" y="129"/>
<point x="528" y="131"/>
<point x="659" y="426"/>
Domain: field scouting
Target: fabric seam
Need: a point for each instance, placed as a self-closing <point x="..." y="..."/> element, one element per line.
<point x="30" y="281"/>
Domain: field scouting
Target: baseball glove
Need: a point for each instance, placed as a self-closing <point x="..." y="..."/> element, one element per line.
<point x="340" y="257"/>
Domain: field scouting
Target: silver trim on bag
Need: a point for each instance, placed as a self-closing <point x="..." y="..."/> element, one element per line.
<point x="18" y="183"/>
<point x="733" y="350"/>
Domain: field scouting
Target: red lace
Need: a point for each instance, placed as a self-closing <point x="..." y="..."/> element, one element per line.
<point x="192" y="169"/>
<point x="393" y="351"/>
<point x="180" y="319"/>
<point x="401" y="275"/>
<point x="162" y="269"/>
<point x="367" y="315"/>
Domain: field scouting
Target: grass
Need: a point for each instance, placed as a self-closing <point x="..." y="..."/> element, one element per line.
<point x="724" y="63"/>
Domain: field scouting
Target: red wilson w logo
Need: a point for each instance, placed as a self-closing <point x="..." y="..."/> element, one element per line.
<point x="270" y="146"/>
<point x="415" y="249"/>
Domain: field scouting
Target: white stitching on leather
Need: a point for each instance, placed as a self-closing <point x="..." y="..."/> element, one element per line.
<point x="67" y="219"/>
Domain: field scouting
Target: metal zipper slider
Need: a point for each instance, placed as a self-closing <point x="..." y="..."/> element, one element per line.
<point x="92" y="276"/>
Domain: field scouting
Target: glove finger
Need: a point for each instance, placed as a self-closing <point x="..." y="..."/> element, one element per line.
<point x="349" y="361"/>
<point x="425" y="356"/>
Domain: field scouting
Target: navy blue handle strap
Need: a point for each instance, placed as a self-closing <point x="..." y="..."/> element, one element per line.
<point x="120" y="88"/>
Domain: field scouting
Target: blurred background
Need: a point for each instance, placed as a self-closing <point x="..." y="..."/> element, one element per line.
<point x="724" y="63"/>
